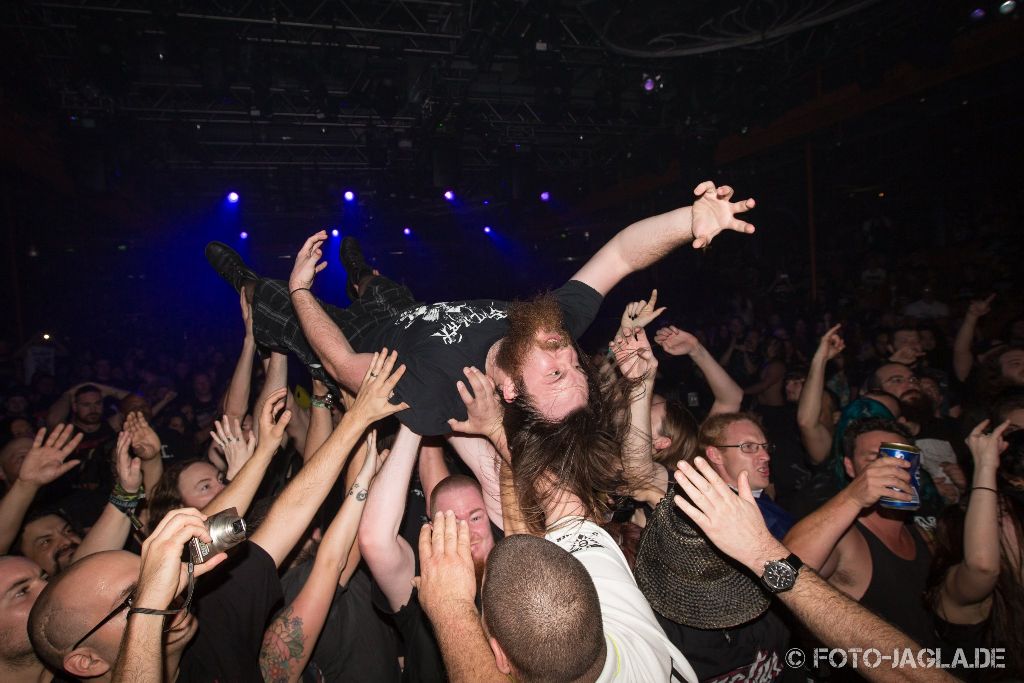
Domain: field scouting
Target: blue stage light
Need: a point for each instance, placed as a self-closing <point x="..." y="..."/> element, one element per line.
<point x="350" y="196"/>
<point x="406" y="231"/>
<point x="335" y="233"/>
<point x="233" y="197"/>
<point x="545" y="196"/>
<point x="449" y="195"/>
<point x="487" y="229"/>
<point x="244" y="235"/>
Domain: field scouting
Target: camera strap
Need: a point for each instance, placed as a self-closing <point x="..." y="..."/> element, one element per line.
<point x="169" y="612"/>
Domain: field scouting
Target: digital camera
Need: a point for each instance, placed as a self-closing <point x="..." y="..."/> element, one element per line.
<point x="227" y="529"/>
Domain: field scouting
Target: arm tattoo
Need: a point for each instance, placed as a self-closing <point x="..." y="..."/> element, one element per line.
<point x="358" y="491"/>
<point x="282" y="647"/>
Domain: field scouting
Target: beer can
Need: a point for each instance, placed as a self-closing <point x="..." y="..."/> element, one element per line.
<point x="911" y="454"/>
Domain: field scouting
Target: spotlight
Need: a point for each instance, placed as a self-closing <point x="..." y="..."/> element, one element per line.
<point x="449" y="195"/>
<point x="244" y="235"/>
<point x="1007" y="7"/>
<point x="545" y="196"/>
<point x="334" y="233"/>
<point x="233" y="197"/>
<point x="977" y="14"/>
<point x="652" y="82"/>
<point x="487" y="229"/>
<point x="46" y="336"/>
<point x="406" y="231"/>
<point x="486" y="202"/>
<point x="350" y="196"/>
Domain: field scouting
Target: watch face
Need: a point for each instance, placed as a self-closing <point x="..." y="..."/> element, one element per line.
<point x="779" y="576"/>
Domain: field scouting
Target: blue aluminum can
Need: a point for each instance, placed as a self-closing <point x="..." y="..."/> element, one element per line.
<point x="911" y="454"/>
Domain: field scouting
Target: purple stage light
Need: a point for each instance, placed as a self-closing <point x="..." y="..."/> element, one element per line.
<point x="406" y="231"/>
<point x="244" y="235"/>
<point x="335" y="233"/>
<point x="545" y="196"/>
<point x="449" y="195"/>
<point x="350" y="196"/>
<point x="648" y="84"/>
<point x="977" y="14"/>
<point x="233" y="197"/>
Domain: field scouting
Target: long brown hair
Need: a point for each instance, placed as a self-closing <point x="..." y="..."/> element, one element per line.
<point x="581" y="454"/>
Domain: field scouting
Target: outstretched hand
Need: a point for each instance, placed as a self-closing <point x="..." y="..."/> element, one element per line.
<point x="163" y="575"/>
<point x="985" y="446"/>
<point x="228" y="437"/>
<point x="731" y="520"/>
<point x="273" y="420"/>
<point x="307" y="262"/>
<point x="45" y="461"/>
<point x="981" y="307"/>
<point x="641" y="313"/>
<point x="373" y="402"/>
<point x="713" y="212"/>
<point x="675" y="341"/>
<point x="144" y="440"/>
<point x="483" y="407"/>
<point x="447" y="575"/>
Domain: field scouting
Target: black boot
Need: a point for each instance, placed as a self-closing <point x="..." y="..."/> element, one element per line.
<point x="229" y="265"/>
<point x="355" y="264"/>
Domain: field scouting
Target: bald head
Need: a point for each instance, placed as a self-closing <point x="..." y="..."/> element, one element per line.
<point x="77" y="600"/>
<point x="541" y="607"/>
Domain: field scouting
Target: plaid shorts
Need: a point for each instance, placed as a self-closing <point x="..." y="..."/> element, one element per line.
<point x="276" y="326"/>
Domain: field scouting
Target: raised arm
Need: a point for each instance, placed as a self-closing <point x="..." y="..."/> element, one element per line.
<point x="645" y="242"/>
<point x="236" y="400"/>
<point x="338" y="357"/>
<point x="963" y="356"/>
<point x="815" y="537"/>
<point x="733" y="522"/>
<point x="816" y="437"/>
<point x="728" y="395"/>
<point x="147" y="448"/>
<point x="388" y="555"/>
<point x="636" y="362"/>
<point x="973" y="580"/>
<point x="290" y="638"/>
<point x="114" y="524"/>
<point x="44" y="463"/>
<point x="320" y="420"/>
<point x="295" y="507"/>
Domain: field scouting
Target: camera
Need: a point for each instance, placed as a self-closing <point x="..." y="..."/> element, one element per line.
<point x="227" y="529"/>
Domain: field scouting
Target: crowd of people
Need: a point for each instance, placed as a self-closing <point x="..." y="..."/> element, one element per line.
<point x="459" y="491"/>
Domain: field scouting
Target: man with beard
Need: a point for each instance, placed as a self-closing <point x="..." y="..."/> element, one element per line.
<point x="392" y="560"/>
<point x="871" y="553"/>
<point x="21" y="581"/>
<point x="536" y="363"/>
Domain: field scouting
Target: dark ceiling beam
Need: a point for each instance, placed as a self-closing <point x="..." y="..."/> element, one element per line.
<point x="972" y="52"/>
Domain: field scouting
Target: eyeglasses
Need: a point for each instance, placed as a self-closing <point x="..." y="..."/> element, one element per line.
<point x="749" y="447"/>
<point x="124" y="605"/>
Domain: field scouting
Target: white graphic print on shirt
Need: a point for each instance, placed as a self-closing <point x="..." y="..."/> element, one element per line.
<point x="453" y="318"/>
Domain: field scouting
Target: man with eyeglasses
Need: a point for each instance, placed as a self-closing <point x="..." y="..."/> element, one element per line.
<point x="735" y="443"/>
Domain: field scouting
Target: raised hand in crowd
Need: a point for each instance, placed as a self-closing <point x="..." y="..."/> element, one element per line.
<point x="307" y="262"/>
<point x="641" y="313"/>
<point x="728" y="395"/>
<point x="816" y="428"/>
<point x="45" y="462"/>
<point x="676" y="342"/>
<point x="229" y="440"/>
<point x="128" y="468"/>
<point x="373" y="401"/>
<point x="634" y="356"/>
<point x="483" y="408"/>
<point x="144" y="441"/>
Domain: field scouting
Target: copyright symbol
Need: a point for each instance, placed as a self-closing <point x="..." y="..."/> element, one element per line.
<point x="795" y="658"/>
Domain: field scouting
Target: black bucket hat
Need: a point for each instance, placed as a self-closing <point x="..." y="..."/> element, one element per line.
<point x="690" y="581"/>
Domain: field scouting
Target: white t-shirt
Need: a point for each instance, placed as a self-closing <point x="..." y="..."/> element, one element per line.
<point x="638" y="649"/>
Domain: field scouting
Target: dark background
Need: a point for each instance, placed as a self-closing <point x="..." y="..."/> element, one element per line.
<point x="894" y="125"/>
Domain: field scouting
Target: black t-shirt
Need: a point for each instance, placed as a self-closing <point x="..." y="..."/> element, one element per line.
<point x="355" y="643"/>
<point x="437" y="341"/>
<point x="423" y="661"/>
<point x="754" y="651"/>
<point x="233" y="605"/>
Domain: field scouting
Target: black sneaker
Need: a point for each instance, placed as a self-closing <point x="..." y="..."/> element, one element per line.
<point x="355" y="263"/>
<point x="229" y="265"/>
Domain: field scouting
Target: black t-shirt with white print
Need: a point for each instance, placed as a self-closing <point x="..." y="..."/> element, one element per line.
<point x="436" y="341"/>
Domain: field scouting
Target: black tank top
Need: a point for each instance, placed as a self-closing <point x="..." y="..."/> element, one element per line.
<point x="896" y="591"/>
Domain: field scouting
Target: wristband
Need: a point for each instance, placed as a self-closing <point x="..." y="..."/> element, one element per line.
<point x="325" y="401"/>
<point x="300" y="289"/>
<point x="127" y="502"/>
<point x="984" y="488"/>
